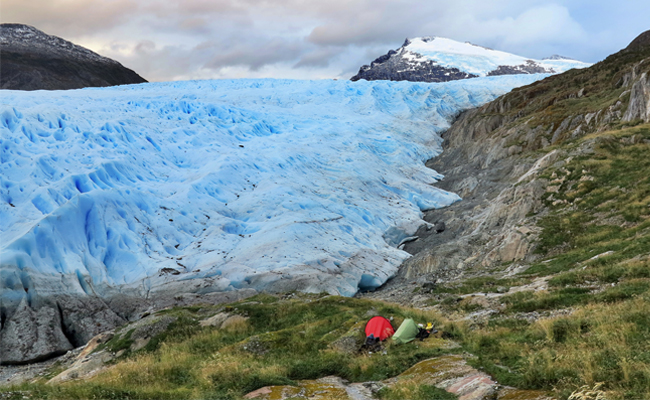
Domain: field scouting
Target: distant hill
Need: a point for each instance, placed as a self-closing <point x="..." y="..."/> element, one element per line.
<point x="34" y="60"/>
<point x="436" y="59"/>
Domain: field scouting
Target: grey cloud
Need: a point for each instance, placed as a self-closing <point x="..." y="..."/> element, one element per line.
<point x="70" y="17"/>
<point x="177" y="39"/>
<point x="318" y="58"/>
<point x="255" y="54"/>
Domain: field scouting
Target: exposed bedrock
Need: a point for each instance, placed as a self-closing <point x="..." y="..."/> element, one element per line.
<point x="639" y="107"/>
<point x="40" y="324"/>
<point x="30" y="335"/>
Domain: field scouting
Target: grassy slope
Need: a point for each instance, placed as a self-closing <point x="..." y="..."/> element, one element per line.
<point x="606" y="337"/>
<point x="282" y="341"/>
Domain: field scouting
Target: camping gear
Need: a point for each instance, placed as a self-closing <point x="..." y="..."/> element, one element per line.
<point x="371" y="341"/>
<point x="406" y="332"/>
<point x="380" y="328"/>
<point x="422" y="334"/>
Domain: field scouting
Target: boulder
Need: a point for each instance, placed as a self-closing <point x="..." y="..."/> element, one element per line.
<point x="215" y="320"/>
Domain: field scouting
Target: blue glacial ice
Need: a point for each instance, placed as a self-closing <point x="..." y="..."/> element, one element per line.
<point x="267" y="184"/>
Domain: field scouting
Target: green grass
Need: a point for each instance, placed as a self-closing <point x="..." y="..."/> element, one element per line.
<point x="483" y="284"/>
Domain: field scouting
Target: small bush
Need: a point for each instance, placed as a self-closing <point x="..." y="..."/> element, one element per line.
<point x="561" y="329"/>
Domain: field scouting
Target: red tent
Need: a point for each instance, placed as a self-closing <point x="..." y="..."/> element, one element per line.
<point x="380" y="328"/>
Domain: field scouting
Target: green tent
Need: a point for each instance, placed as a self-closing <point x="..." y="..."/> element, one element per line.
<point x="406" y="332"/>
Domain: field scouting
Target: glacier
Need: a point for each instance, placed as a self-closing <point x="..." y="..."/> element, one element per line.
<point x="264" y="184"/>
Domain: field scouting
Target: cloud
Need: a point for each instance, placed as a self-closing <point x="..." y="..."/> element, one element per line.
<point x="183" y="39"/>
<point x="318" y="58"/>
<point x="70" y="17"/>
<point x="255" y="54"/>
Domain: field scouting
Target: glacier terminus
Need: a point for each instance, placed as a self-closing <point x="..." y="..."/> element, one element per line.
<point x="214" y="186"/>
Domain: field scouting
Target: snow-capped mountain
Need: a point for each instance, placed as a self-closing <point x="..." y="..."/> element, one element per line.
<point x="436" y="59"/>
<point x="33" y="60"/>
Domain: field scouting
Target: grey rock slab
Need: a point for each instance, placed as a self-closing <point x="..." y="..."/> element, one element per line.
<point x="215" y="320"/>
<point x="31" y="335"/>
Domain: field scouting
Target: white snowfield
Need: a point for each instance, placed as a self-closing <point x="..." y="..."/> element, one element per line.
<point x="265" y="184"/>
<point x="477" y="60"/>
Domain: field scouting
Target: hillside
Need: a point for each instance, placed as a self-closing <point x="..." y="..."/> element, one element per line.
<point x="436" y="59"/>
<point x="34" y="60"/>
<point x="267" y="347"/>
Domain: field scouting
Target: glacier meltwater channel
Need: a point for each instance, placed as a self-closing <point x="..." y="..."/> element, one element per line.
<point x="265" y="184"/>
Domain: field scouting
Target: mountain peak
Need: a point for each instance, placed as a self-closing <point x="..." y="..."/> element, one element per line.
<point x="641" y="42"/>
<point x="439" y="59"/>
<point x="16" y="37"/>
<point x="558" y="57"/>
<point x="33" y="60"/>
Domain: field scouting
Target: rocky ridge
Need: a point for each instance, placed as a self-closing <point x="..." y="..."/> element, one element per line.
<point x="34" y="60"/>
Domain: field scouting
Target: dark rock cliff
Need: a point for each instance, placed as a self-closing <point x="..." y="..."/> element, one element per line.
<point x="33" y="60"/>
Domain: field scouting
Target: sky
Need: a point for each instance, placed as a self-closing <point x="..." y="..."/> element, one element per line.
<point x="314" y="39"/>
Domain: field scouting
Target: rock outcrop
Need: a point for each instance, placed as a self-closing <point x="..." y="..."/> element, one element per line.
<point x="34" y="60"/>
<point x="639" y="106"/>
<point x="450" y="373"/>
<point x="52" y="324"/>
<point x="32" y="335"/>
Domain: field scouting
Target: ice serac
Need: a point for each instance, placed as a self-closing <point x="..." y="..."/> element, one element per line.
<point x="122" y="195"/>
<point x="437" y="59"/>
